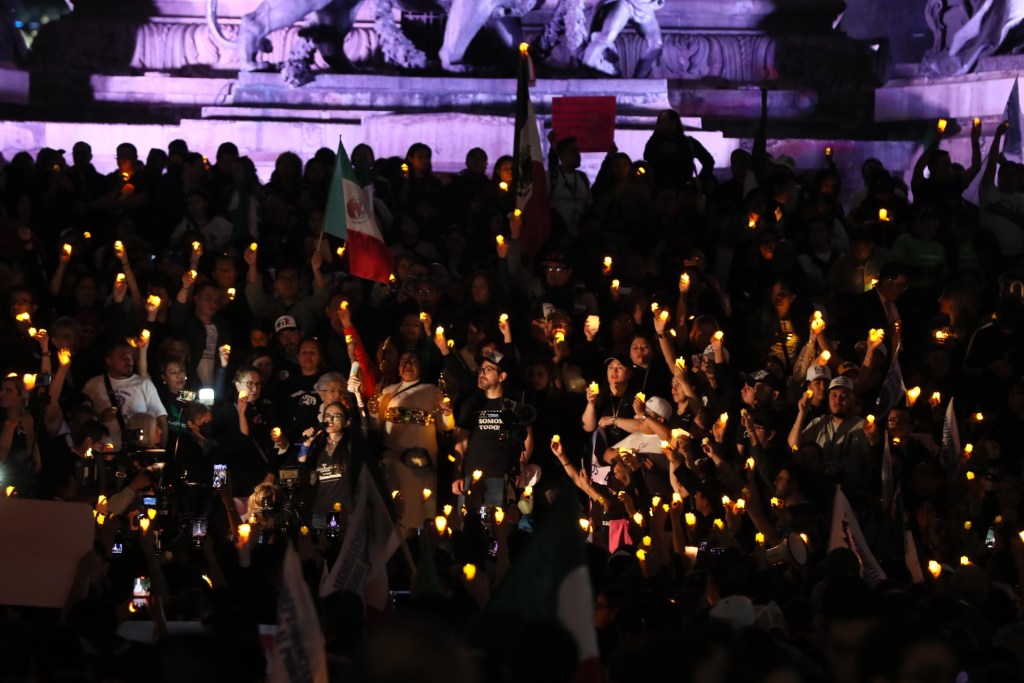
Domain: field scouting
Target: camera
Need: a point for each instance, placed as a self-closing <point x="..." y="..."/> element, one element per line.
<point x="288" y="477"/>
<point x="220" y="475"/>
<point x="186" y="396"/>
<point x="198" y="531"/>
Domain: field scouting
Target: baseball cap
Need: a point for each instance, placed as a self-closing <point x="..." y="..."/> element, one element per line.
<point x="555" y="258"/>
<point x="764" y="377"/>
<point x="660" y="406"/>
<point x="624" y="359"/>
<point x="841" y="383"/>
<point x="492" y="356"/>
<point x="285" y="322"/>
<point x="822" y="372"/>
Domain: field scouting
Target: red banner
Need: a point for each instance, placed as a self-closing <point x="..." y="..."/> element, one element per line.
<point x="591" y="120"/>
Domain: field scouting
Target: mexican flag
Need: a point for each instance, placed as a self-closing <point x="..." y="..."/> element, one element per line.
<point x="550" y="580"/>
<point x="349" y="216"/>
<point x="528" y="176"/>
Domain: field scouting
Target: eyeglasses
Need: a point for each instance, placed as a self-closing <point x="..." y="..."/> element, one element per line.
<point x="556" y="269"/>
<point x="250" y="385"/>
<point x="488" y="370"/>
<point x="333" y="417"/>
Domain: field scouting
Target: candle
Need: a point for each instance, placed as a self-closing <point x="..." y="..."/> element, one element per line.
<point x="979" y="417"/>
<point x="723" y="419"/>
<point x="67" y="249"/>
<point x="775" y="502"/>
<point x="477" y="474"/>
<point x="940" y="336"/>
<point x="524" y="48"/>
<point x="517" y="213"/>
<point x="30" y="381"/>
<point x="439" y="332"/>
<point x="750" y="464"/>
<point x="469" y="571"/>
<point x="970" y="475"/>
<point x="677" y="497"/>
<point x="120" y="278"/>
<point x="964" y="560"/>
<point x="817" y="323"/>
<point x="684" y="280"/>
<point x="243" y="394"/>
<point x="87" y="235"/>
<point x="828" y="151"/>
<point x="440" y="523"/>
<point x="340" y="251"/>
<point x="500" y="239"/>
<point x="934" y="568"/>
<point x="503" y="319"/>
<point x="681" y="363"/>
<point x="392" y="279"/>
<point x="527" y="491"/>
<point x="423" y="316"/>
<point x="678" y="433"/>
<point x="32" y="331"/>
<point x="718" y="336"/>
<point x="193" y="274"/>
<point x="118" y="246"/>
<point x="967" y="526"/>
<point x="275" y="433"/>
<point x="447" y="509"/>
<point x="151" y="513"/>
<point x="100" y="519"/>
<point x="691" y="519"/>
<point x="559" y="336"/>
<point x="153" y="300"/>
<point x="503" y="186"/>
<point x="977" y="121"/>
<point x="759" y="538"/>
<point x="870" y="419"/>
<point x="231" y="293"/>
<point x="642" y="396"/>
<point x="243" y="532"/>
<point x="641" y="555"/>
<point x="405" y="169"/>
<point x="876" y="335"/>
<point x="638" y="518"/>
<point x="607" y="265"/>
<point x="143" y="524"/>
<point x="752" y="221"/>
<point x="824" y="358"/>
<point x="395" y="494"/>
<point x="936" y="399"/>
<point x="655" y="501"/>
<point x="968" y="449"/>
<point x="594" y="322"/>
<point x="664" y="444"/>
<point x="23" y="318"/>
<point x="883" y="215"/>
<point x="499" y="515"/>
<point x="615" y="287"/>
<point x="584" y="523"/>
<point x="912" y="395"/>
<point x="741" y="504"/>
<point x="197" y="247"/>
<point x="941" y="125"/>
<point x="145" y="336"/>
<point x="594" y="389"/>
<point x="726" y="500"/>
<point x="556" y="438"/>
<point x="253" y="246"/>
<point x="427" y="493"/>
<point x="718" y="524"/>
<point x="64" y="356"/>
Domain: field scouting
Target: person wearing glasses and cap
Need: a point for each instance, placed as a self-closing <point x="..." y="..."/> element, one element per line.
<point x="490" y="438"/>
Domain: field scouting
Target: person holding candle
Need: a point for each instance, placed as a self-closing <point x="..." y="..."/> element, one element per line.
<point x="195" y="315"/>
<point x="242" y="428"/>
<point x="845" y="447"/>
<point x="19" y="452"/>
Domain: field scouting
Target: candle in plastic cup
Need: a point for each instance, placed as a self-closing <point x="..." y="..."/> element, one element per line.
<point x="447" y="509"/>
<point x="32" y="331"/>
<point x="30" y="381"/>
<point x="677" y="497"/>
<point x="968" y="449"/>
<point x="477" y="474"/>
<point x="934" y="568"/>
<point x="440" y="523"/>
<point x="469" y="571"/>
<point x="500" y="239"/>
<point x="941" y="125"/>
<point x="427" y="493"/>
<point x="759" y="538"/>
<point x="638" y="518"/>
<point x="340" y="251"/>
<point x="615" y="286"/>
<point x="719" y="336"/>
<point x="243" y="394"/>
<point x="231" y="293"/>
<point x="253" y="247"/>
<point x="684" y="280"/>
<point x="718" y="524"/>
<point x="243" y="532"/>
<point x="607" y="265"/>
<point x="584" y="523"/>
<point x="120" y="278"/>
<point x="970" y="475"/>
<point x="153" y="300"/>
<point x="145" y="335"/>
<point x="642" y="396"/>
<point x="499" y="515"/>
<point x="979" y="417"/>
<point x="144" y="524"/>
<point x="870" y="419"/>
<point x="118" y="245"/>
<point x="439" y="332"/>
<point x="655" y="501"/>
<point x="912" y="395"/>
<point x="503" y="186"/>
<point x="883" y="215"/>
<point x="23" y="317"/>
<point x="67" y="249"/>
<point x="594" y="388"/>
<point x="691" y="519"/>
<point x="556" y="438"/>
<point x="517" y="213"/>
<point x="151" y="513"/>
<point x="196" y="246"/>
<point x="723" y="419"/>
<point x="594" y="322"/>
<point x="825" y="357"/>
<point x="275" y="433"/>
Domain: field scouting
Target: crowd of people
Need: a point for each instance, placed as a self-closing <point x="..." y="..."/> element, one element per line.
<point x="787" y="412"/>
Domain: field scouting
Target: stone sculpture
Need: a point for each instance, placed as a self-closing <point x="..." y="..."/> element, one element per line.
<point x="335" y="18"/>
<point x="993" y="26"/>
<point x="614" y="16"/>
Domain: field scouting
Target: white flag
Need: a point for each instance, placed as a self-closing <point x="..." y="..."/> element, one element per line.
<point x="370" y="540"/>
<point x="1013" y="150"/>
<point x="910" y="557"/>
<point x="949" y="451"/>
<point x="846" y="533"/>
<point x="299" y="655"/>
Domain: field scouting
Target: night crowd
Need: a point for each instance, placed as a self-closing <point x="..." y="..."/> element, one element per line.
<point x="700" y="360"/>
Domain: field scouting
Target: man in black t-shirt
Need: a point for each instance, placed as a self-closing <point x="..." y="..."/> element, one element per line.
<point x="490" y="438"/>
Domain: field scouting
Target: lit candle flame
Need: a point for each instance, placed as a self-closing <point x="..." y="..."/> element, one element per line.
<point x="825" y="357"/>
<point x="340" y="251"/>
<point x="584" y="523"/>
<point x="642" y="396"/>
<point x="759" y="538"/>
<point x="499" y="515"/>
<point x="427" y="493"/>
<point x="723" y="419"/>
<point x="594" y="388"/>
<point x="143" y="524"/>
<point x="67" y="249"/>
<point x="691" y="519"/>
<point x="253" y="246"/>
<point x="30" y="381"/>
<point x="638" y="518"/>
<point x="447" y="510"/>
<point x="912" y="395"/>
<point x="883" y="215"/>
<point x="718" y="524"/>
<point x="503" y="186"/>
<point x="941" y="125"/>
<point x="243" y="532"/>
<point x="500" y="239"/>
<point x="153" y="300"/>
<point x="120" y="278"/>
<point x="524" y="48"/>
<point x="615" y="287"/>
<point x="469" y="571"/>
<point x="934" y="568"/>
<point x="231" y="293"/>
<point x="477" y="474"/>
<point x="719" y="336"/>
<point x="556" y="438"/>
<point x="440" y="523"/>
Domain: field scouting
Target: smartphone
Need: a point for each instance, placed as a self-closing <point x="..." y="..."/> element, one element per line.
<point x="990" y="538"/>
<point x="318" y="522"/>
<point x="198" y="531"/>
<point x="118" y="548"/>
<point x="220" y="475"/>
<point x="149" y="501"/>
<point x="140" y="592"/>
<point x="333" y="525"/>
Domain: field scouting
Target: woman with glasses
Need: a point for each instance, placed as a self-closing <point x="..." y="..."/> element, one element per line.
<point x="243" y="429"/>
